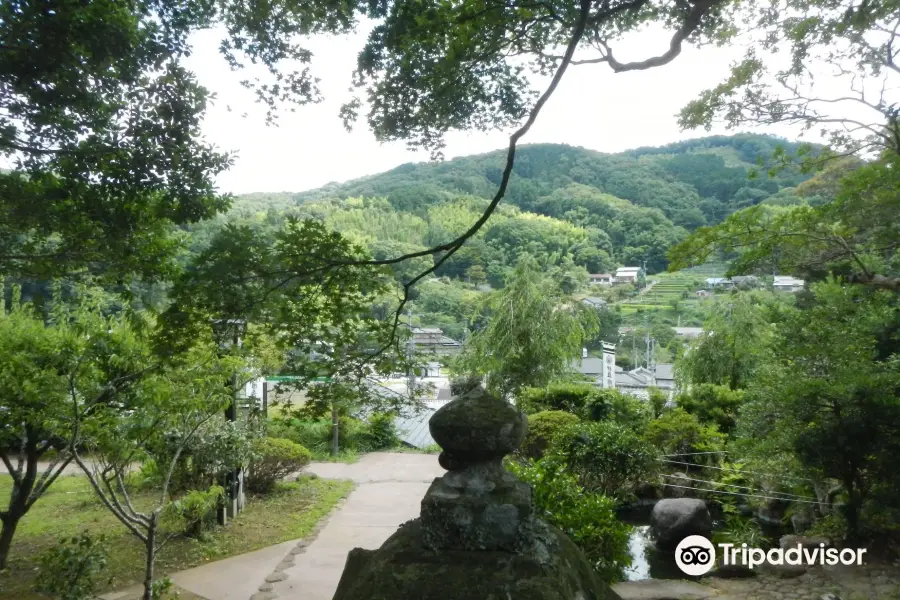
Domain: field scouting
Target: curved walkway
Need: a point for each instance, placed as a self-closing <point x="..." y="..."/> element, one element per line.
<point x="389" y="491"/>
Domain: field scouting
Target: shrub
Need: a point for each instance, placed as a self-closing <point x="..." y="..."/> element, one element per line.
<point x="381" y="433"/>
<point x="354" y="435"/>
<point x="275" y="459"/>
<point x="656" y="401"/>
<point x="678" y="432"/>
<point x="739" y="530"/>
<point x="71" y="570"/>
<point x="833" y="527"/>
<point x="613" y="405"/>
<point x="606" y="457"/>
<point x="713" y="404"/>
<point x="217" y="448"/>
<point x="568" y="397"/>
<point x="542" y="428"/>
<point x="589" y="519"/>
<point x="195" y="509"/>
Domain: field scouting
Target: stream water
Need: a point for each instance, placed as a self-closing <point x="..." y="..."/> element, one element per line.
<point x="647" y="562"/>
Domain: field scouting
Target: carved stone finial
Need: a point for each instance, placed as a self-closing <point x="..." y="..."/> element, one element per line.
<point x="478" y="504"/>
<point x="476" y="428"/>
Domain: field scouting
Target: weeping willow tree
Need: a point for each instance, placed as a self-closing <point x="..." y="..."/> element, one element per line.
<point x="533" y="332"/>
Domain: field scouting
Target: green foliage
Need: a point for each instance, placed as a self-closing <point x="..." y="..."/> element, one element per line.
<point x="851" y="236"/>
<point x="355" y="435"/>
<point x="733" y="343"/>
<point x="656" y="400"/>
<point x="510" y="350"/>
<point x="606" y="457"/>
<point x="72" y="569"/>
<point x="589" y="519"/>
<point x="381" y="432"/>
<point x="624" y="409"/>
<point x="274" y="460"/>
<point x="75" y="352"/>
<point x="713" y="404"/>
<point x="218" y="447"/>
<point x="195" y="509"/>
<point x="832" y="527"/>
<point x="740" y="530"/>
<point x="678" y="432"/>
<point x="543" y="427"/>
<point x="828" y="393"/>
<point x="559" y="396"/>
<point x="760" y="89"/>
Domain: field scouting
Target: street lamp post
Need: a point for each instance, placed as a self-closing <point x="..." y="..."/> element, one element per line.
<point x="229" y="335"/>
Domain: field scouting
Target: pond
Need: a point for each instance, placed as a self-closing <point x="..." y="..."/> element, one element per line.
<point x="647" y="562"/>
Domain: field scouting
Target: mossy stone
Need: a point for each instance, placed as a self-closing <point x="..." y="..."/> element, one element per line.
<point x="402" y="569"/>
<point x="477" y="427"/>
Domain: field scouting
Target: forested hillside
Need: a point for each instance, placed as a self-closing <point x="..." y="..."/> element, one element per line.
<point x="576" y="211"/>
<point x="603" y="209"/>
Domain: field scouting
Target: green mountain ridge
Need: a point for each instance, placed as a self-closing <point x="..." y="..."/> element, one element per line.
<point x="598" y="209"/>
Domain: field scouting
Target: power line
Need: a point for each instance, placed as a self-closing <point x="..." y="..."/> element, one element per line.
<point x="694" y="453"/>
<point x="685" y="487"/>
<point x="785" y="478"/>
<point x="740" y="487"/>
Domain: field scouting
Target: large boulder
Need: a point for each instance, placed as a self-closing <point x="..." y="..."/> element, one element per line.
<point x="403" y="569"/>
<point x="674" y="519"/>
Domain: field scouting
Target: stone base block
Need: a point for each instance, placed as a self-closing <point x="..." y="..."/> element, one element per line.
<point x="455" y="519"/>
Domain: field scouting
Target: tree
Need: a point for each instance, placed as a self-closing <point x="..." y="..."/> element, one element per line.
<point x="856" y="42"/>
<point x="680" y="436"/>
<point x="533" y="334"/>
<point x="170" y="404"/>
<point x="854" y="236"/>
<point x="44" y="360"/>
<point x="101" y="124"/>
<point x="715" y="404"/>
<point x="321" y="316"/>
<point x="828" y="391"/>
<point x="732" y="345"/>
<point x="476" y="274"/>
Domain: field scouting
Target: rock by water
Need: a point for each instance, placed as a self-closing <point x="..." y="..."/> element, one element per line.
<point x="673" y="519"/>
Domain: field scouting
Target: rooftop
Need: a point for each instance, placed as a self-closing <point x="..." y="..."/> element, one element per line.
<point x="594" y="300"/>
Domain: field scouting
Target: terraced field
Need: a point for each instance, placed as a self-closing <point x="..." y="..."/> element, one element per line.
<point x="670" y="287"/>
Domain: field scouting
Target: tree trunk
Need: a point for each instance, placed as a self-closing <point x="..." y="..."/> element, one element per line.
<point x="151" y="558"/>
<point x="18" y="502"/>
<point x="10" y="522"/>
<point x="335" y="428"/>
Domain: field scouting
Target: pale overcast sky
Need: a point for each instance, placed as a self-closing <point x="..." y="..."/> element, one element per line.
<point x="593" y="108"/>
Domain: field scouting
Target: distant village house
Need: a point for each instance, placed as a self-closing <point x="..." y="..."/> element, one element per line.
<point x="637" y="382"/>
<point x="719" y="282"/>
<point x="627" y="275"/>
<point x="431" y="340"/>
<point x="601" y="279"/>
<point x="787" y="284"/>
<point x="595" y="302"/>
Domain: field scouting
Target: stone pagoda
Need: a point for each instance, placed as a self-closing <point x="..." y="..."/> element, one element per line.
<point x="477" y="537"/>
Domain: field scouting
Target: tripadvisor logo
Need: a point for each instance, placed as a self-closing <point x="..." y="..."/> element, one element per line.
<point x="695" y="555"/>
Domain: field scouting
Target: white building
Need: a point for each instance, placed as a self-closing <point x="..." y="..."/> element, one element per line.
<point x="601" y="279"/>
<point x="787" y="284"/>
<point x="627" y="274"/>
<point x="688" y="333"/>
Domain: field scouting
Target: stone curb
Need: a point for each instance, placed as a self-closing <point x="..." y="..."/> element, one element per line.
<point x="267" y="589"/>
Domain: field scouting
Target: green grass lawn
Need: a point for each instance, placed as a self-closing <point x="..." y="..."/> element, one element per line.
<point x="70" y="507"/>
